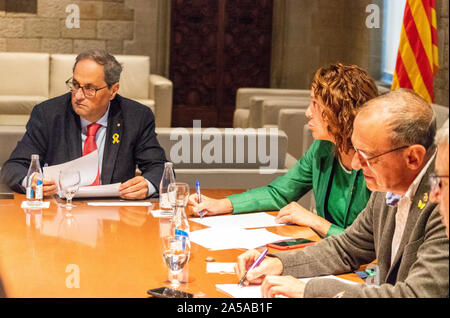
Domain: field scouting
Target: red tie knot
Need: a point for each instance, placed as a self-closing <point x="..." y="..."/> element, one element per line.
<point x="92" y="129"/>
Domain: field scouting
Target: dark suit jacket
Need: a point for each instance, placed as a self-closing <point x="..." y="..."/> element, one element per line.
<point x="420" y="268"/>
<point x="54" y="133"/>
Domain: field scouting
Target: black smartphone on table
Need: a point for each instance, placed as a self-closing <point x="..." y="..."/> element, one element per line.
<point x="291" y="244"/>
<point x="166" y="292"/>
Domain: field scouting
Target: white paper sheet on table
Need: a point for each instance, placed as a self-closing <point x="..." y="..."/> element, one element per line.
<point x="121" y="203"/>
<point x="242" y="221"/>
<point x="100" y="191"/>
<point x="162" y="213"/>
<point x="229" y="238"/>
<point x="215" y="267"/>
<point x="255" y="290"/>
<point x="43" y="205"/>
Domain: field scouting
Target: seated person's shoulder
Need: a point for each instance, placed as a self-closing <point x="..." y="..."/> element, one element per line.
<point x="322" y="147"/>
<point x="133" y="108"/>
<point x="54" y="105"/>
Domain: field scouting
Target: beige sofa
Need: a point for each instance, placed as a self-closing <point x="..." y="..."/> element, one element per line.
<point x="244" y="169"/>
<point x="30" y="78"/>
<point x="249" y="110"/>
<point x="247" y="96"/>
<point x="230" y="164"/>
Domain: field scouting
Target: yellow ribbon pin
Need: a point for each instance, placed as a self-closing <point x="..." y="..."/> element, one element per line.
<point x="116" y="138"/>
<point x="421" y="205"/>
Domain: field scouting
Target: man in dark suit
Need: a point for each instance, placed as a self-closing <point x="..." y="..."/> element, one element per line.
<point x="60" y="130"/>
<point x="400" y="226"/>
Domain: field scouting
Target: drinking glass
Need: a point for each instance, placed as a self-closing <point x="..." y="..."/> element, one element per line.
<point x="175" y="252"/>
<point x="178" y="194"/>
<point x="69" y="183"/>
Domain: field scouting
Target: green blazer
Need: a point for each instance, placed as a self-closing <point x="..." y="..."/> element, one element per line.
<point x="312" y="171"/>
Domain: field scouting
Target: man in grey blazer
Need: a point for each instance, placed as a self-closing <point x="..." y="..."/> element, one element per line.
<point x="439" y="180"/>
<point x="400" y="226"/>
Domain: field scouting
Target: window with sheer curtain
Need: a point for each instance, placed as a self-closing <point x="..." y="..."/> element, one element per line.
<point x="392" y="27"/>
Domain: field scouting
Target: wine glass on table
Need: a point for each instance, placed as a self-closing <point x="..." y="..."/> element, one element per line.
<point x="69" y="183"/>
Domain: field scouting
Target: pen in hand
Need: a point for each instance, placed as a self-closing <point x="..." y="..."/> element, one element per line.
<point x="255" y="264"/>
<point x="199" y="196"/>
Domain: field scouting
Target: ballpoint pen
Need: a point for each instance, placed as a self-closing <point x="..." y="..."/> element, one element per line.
<point x="256" y="263"/>
<point x="199" y="196"/>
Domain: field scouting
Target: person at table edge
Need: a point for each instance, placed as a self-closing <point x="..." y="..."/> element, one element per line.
<point x="439" y="179"/>
<point x="400" y="227"/>
<point x="57" y="131"/>
<point x="340" y="192"/>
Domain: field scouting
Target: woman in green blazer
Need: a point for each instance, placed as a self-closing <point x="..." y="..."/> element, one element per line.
<point x="340" y="192"/>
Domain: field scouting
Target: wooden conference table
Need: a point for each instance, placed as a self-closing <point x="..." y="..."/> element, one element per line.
<point x="102" y="252"/>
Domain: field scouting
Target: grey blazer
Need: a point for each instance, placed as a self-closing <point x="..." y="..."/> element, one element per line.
<point x="420" y="268"/>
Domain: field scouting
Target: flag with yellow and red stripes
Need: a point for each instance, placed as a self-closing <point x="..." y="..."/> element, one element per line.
<point x="417" y="58"/>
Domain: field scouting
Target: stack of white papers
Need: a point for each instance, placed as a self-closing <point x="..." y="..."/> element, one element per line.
<point x="88" y="168"/>
<point x="255" y="291"/>
<point x="230" y="238"/>
<point x="241" y="221"/>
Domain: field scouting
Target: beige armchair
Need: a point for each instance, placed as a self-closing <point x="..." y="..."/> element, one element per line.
<point x="24" y="79"/>
<point x="243" y="101"/>
<point x="292" y="122"/>
<point x="271" y="108"/>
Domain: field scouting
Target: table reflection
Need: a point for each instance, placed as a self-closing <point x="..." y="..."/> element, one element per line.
<point x="85" y="224"/>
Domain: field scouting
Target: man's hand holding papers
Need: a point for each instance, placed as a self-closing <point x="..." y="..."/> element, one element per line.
<point x="88" y="167"/>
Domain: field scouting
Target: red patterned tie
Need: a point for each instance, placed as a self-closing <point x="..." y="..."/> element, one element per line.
<point x="90" y="145"/>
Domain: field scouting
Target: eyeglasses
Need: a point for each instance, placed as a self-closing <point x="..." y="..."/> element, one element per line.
<point x="88" y="91"/>
<point x="436" y="183"/>
<point x="367" y="159"/>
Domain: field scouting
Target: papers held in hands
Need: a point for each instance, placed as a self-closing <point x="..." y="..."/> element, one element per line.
<point x="88" y="167"/>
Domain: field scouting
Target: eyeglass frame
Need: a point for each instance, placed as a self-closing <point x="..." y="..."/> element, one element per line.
<point x="69" y="83"/>
<point x="435" y="182"/>
<point x="366" y="159"/>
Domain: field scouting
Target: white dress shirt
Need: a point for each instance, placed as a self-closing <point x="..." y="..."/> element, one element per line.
<point x="100" y="141"/>
<point x="403" y="207"/>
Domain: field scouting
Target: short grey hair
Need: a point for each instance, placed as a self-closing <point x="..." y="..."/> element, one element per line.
<point x="442" y="135"/>
<point x="408" y="116"/>
<point x="112" y="68"/>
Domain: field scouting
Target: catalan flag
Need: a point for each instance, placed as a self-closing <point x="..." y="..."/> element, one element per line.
<point x="417" y="59"/>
